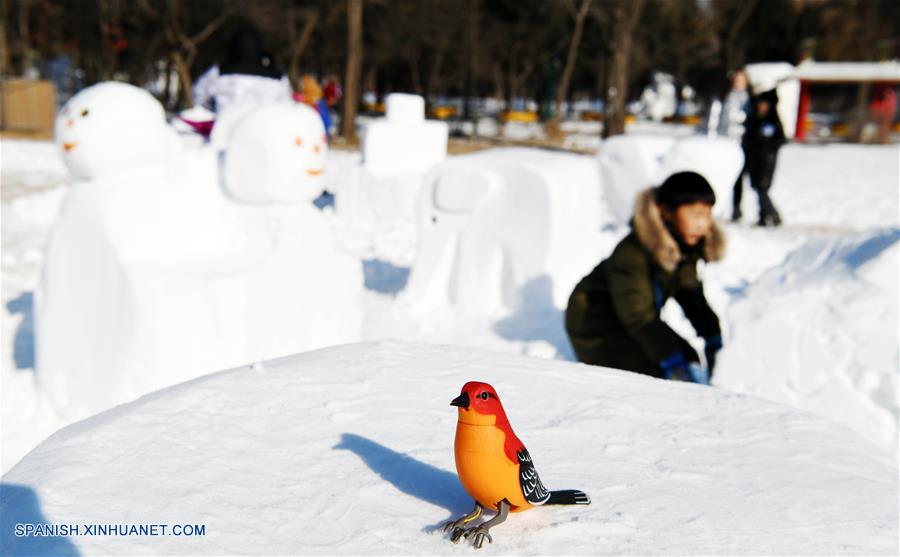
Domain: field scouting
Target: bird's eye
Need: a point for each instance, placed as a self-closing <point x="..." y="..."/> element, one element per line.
<point x="484" y="395"/>
<point x="84" y="112"/>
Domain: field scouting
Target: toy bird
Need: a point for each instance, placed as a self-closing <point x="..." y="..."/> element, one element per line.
<point x="494" y="466"/>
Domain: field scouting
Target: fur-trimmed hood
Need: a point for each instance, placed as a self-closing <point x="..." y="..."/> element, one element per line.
<point x="656" y="238"/>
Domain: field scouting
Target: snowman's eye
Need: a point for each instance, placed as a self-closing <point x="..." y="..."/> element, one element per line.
<point x="84" y="112"/>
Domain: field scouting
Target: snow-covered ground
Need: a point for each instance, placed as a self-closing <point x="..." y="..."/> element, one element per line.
<point x="349" y="450"/>
<point x="829" y="275"/>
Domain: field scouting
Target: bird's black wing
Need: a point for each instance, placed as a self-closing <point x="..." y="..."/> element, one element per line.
<point x="532" y="488"/>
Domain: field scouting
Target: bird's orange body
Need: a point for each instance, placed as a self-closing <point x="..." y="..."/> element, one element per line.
<point x="484" y="469"/>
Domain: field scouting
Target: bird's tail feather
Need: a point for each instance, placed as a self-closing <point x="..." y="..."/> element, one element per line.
<point x="568" y="497"/>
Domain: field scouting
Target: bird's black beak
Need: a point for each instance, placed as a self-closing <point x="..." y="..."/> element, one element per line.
<point x="462" y="400"/>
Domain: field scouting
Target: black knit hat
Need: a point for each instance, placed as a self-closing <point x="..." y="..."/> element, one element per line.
<point x="684" y="188"/>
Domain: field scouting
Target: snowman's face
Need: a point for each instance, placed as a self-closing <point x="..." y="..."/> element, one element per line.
<point x="276" y="154"/>
<point x="110" y="127"/>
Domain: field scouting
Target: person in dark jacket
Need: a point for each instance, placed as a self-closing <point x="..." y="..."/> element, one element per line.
<point x="613" y="315"/>
<point x="247" y="77"/>
<point x="763" y="137"/>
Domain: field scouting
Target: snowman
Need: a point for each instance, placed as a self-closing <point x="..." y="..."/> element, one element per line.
<point x="112" y="127"/>
<point x="306" y="293"/>
<point x="144" y="279"/>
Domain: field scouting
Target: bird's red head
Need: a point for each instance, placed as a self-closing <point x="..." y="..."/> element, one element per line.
<point x="479" y="405"/>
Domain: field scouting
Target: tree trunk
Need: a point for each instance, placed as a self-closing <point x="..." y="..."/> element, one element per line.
<point x="4" y="41"/>
<point x="626" y="21"/>
<point x="415" y="73"/>
<point x="563" y="90"/>
<point x="732" y="60"/>
<point x="166" y="96"/>
<point x="472" y="16"/>
<point x="434" y="77"/>
<point x="184" y="76"/>
<point x="299" y="46"/>
<point x="354" y="62"/>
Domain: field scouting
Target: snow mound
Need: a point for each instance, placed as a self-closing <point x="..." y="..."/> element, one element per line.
<point x="847" y="370"/>
<point x="349" y="450"/>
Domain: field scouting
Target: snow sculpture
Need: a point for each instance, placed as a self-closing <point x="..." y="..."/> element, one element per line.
<point x="111" y="127"/>
<point x="628" y="164"/>
<point x="631" y="163"/>
<point x="276" y="154"/>
<point x="306" y="294"/>
<point x="398" y="151"/>
<point x="153" y="276"/>
<point x="494" y="222"/>
<point x="404" y="142"/>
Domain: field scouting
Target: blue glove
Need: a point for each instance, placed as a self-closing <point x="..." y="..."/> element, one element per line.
<point x="675" y="367"/>
<point x="713" y="345"/>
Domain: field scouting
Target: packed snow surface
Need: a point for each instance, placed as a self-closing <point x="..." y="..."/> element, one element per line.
<point x="349" y="450"/>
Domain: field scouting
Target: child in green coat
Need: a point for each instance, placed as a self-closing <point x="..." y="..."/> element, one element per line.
<point x="613" y="316"/>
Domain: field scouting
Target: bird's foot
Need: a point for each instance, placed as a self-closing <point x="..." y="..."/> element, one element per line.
<point x="456" y="534"/>
<point x="457" y="527"/>
<point x="454" y="525"/>
<point x="477" y="535"/>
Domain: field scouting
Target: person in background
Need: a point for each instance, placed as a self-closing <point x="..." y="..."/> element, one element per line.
<point x="613" y="315"/>
<point x="731" y="124"/>
<point x="763" y="137"/>
<point x="333" y="91"/>
<point x="882" y="110"/>
<point x="248" y="75"/>
<point x="311" y="94"/>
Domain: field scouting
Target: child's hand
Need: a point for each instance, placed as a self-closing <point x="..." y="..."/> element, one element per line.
<point x="713" y="345"/>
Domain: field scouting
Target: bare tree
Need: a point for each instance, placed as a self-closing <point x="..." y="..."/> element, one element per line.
<point x="563" y="90"/>
<point x="625" y="17"/>
<point x="4" y="40"/>
<point x="354" y="63"/>
<point x="182" y="46"/>
<point x="732" y="57"/>
<point x="298" y="43"/>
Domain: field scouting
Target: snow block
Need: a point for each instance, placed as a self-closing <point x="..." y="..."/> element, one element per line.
<point x="276" y="154"/>
<point x="404" y="142"/>
<point x="112" y="126"/>
<point x="398" y="151"/>
<point x="401" y="108"/>
<point x="632" y="163"/>
<point x="493" y="222"/>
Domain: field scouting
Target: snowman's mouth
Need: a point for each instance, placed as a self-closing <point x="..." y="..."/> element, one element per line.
<point x="315" y="171"/>
<point x="69" y="146"/>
